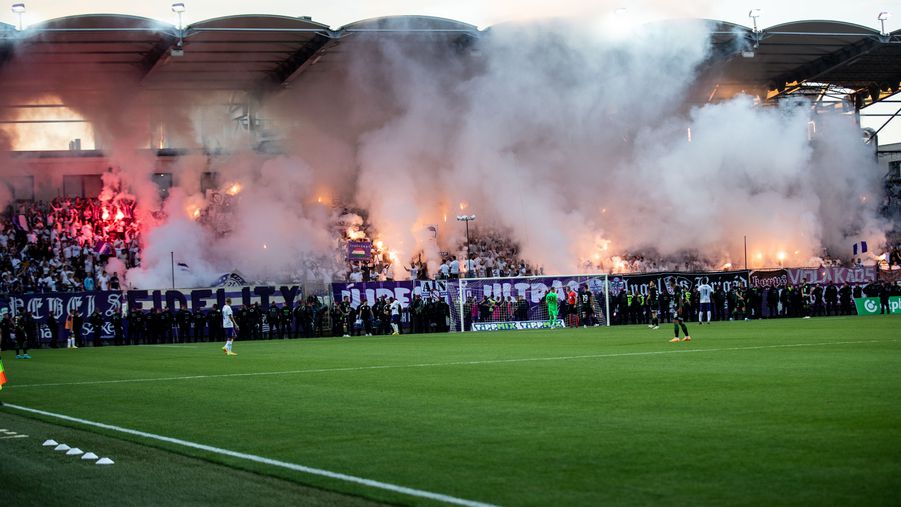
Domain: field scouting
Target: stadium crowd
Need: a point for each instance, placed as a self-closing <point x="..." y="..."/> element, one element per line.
<point x="489" y="254"/>
<point x="68" y="244"/>
<point x="65" y="245"/>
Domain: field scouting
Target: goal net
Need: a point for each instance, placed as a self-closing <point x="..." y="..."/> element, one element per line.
<point x="492" y="304"/>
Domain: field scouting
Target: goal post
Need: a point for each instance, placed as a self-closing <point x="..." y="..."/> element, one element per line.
<point x="490" y="304"/>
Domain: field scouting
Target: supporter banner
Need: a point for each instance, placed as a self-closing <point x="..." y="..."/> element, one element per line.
<point x="60" y="305"/>
<point x="517" y="325"/>
<point x="871" y="306"/>
<point x="230" y="280"/>
<point x="532" y="289"/>
<point x="638" y="283"/>
<point x="865" y="274"/>
<point x="890" y="275"/>
<point x="359" y="250"/>
<point x="202" y="299"/>
<point x="769" y="278"/>
<point x="433" y="288"/>
<point x="402" y="291"/>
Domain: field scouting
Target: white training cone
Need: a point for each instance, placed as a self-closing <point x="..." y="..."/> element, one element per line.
<point x="74" y="452"/>
<point x="89" y="456"/>
<point x="50" y="443"/>
<point x="61" y="447"/>
<point x="105" y="461"/>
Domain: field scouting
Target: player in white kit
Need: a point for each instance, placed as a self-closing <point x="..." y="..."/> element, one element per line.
<point x="229" y="326"/>
<point x="704" y="291"/>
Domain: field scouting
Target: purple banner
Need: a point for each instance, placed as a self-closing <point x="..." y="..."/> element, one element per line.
<point x="769" y="278"/>
<point x="531" y="289"/>
<point x="402" y="291"/>
<point x="60" y="305"/>
<point x="835" y="275"/>
<point x="505" y="292"/>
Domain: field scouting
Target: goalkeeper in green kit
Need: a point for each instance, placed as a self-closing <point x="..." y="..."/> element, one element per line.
<point x="551" y="300"/>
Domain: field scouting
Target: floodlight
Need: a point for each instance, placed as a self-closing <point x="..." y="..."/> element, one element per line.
<point x="882" y="17"/>
<point x="19" y="9"/>
<point x="466" y="219"/>
<point x="179" y="9"/>
<point x="754" y="14"/>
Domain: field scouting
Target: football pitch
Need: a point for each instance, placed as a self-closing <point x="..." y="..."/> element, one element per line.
<point x="781" y="412"/>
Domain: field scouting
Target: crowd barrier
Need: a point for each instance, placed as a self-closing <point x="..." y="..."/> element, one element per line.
<point x="59" y="305"/>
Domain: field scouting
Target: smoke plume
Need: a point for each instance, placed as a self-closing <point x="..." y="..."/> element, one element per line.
<point x="578" y="139"/>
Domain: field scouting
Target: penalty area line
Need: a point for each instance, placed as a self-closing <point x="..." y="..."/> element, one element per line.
<point x="418" y="493"/>
<point x="452" y="363"/>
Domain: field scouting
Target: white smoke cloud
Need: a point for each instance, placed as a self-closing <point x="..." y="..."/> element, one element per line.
<point x="555" y="122"/>
<point x="179" y="240"/>
<point x="569" y="135"/>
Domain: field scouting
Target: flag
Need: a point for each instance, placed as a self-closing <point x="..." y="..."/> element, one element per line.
<point x="2" y="375"/>
<point x="183" y="266"/>
<point x="230" y="280"/>
<point x="863" y="247"/>
<point x="102" y="248"/>
<point x="21" y="223"/>
<point x="359" y="250"/>
<point x="433" y="230"/>
<point x="855" y="249"/>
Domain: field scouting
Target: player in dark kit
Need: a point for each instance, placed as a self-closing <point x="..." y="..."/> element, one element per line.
<point x="365" y="312"/>
<point x="677" y="307"/>
<point x="586" y="309"/>
<point x="653" y="305"/>
<point x="343" y="316"/>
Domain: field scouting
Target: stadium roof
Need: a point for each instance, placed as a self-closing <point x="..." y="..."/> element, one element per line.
<point x="841" y="54"/>
<point x="253" y="52"/>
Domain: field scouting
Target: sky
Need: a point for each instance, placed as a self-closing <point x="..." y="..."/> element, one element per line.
<point x="484" y="13"/>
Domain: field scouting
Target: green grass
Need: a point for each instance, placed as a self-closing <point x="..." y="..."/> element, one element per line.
<point x="739" y="416"/>
<point x="35" y="475"/>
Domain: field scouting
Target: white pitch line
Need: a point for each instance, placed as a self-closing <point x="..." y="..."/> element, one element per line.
<point x="432" y="365"/>
<point x="418" y="493"/>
